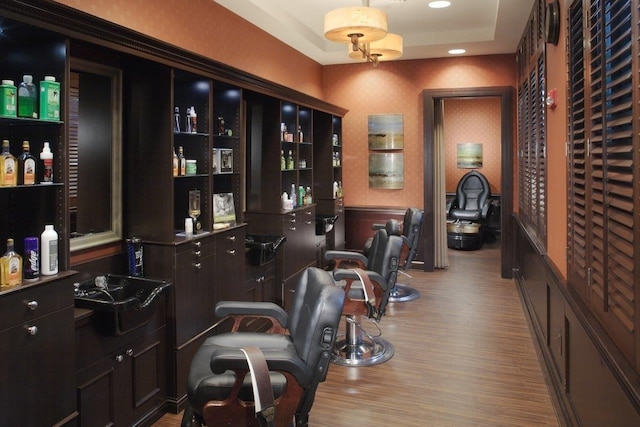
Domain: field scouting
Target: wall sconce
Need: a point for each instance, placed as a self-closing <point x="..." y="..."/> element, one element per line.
<point x="552" y="98"/>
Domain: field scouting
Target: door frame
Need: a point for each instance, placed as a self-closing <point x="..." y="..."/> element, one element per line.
<point x="506" y="94"/>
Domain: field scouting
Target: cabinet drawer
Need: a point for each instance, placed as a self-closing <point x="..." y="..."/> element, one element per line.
<point x="231" y="243"/>
<point x="30" y="302"/>
<point x="193" y="251"/>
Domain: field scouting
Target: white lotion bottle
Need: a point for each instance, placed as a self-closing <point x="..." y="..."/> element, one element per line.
<point x="49" y="251"/>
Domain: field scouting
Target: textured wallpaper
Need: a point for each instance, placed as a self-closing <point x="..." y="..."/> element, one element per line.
<point x="472" y="121"/>
<point x="396" y="88"/>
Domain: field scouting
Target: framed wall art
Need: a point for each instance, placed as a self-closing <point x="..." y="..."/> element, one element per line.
<point x="469" y="156"/>
<point x="386" y="132"/>
<point x="386" y="170"/>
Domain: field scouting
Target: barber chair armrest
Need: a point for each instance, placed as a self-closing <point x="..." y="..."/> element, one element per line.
<point x="377" y="226"/>
<point x="279" y="360"/>
<point x="239" y="309"/>
<point x="346" y="257"/>
<point x="486" y="210"/>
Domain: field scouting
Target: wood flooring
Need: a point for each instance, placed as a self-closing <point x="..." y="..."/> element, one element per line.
<point x="464" y="357"/>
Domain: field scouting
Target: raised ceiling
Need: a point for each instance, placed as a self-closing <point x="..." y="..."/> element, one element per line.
<point x="482" y="27"/>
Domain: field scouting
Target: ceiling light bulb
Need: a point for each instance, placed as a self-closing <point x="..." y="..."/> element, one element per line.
<point x="439" y="4"/>
<point x="457" y="51"/>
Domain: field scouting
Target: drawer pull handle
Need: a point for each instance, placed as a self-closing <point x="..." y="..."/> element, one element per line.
<point x="293" y="221"/>
<point x="232" y="238"/>
<point x="32" y="304"/>
<point x="119" y="358"/>
<point x="292" y="228"/>
<point x="231" y="251"/>
<point x="198" y="265"/>
<point x="198" y="244"/>
<point x="308" y="222"/>
<point x="129" y="352"/>
<point x="307" y="213"/>
<point x="197" y="253"/>
<point x="31" y="330"/>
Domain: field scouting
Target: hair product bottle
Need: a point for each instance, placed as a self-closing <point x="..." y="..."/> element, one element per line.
<point x="49" y="250"/>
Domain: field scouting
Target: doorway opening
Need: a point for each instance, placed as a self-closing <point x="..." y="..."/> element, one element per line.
<point x="431" y="100"/>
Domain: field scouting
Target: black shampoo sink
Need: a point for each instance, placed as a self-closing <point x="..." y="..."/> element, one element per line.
<point x="121" y="303"/>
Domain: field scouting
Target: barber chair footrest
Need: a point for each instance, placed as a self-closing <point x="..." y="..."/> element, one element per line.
<point x="368" y="352"/>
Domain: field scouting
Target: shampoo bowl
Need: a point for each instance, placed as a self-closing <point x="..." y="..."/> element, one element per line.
<point x="121" y="303"/>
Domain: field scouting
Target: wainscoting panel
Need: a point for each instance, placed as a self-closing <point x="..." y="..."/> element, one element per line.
<point x="592" y="383"/>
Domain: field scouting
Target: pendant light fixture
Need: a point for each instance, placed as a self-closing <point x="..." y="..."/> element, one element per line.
<point x="365" y="30"/>
<point x="387" y="49"/>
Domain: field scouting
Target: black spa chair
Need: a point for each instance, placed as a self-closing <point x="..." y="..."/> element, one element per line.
<point x="411" y="226"/>
<point x="473" y="199"/>
<point x="367" y="283"/>
<point x="297" y="351"/>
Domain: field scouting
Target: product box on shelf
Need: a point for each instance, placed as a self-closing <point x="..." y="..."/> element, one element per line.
<point x="222" y="160"/>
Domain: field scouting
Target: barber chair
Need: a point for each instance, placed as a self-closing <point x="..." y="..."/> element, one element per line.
<point x="297" y="351"/>
<point x="411" y="225"/>
<point x="469" y="213"/>
<point x="367" y="283"/>
<point x="473" y="199"/>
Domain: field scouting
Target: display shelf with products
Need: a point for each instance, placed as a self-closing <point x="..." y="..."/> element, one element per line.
<point x="228" y="145"/>
<point x="192" y="96"/>
<point x="26" y="209"/>
<point x="327" y="131"/>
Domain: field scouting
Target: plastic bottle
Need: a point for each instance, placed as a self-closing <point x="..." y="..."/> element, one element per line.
<point x="47" y="158"/>
<point x="293" y="196"/>
<point x="8" y="99"/>
<point x="49" y="99"/>
<point x="283" y="162"/>
<point x="49" y="251"/>
<point x="193" y="119"/>
<point x="27" y="98"/>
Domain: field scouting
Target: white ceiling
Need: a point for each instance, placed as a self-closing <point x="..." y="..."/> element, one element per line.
<point x="482" y="27"/>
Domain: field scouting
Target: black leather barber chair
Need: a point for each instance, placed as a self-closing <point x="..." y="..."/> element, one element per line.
<point x="297" y="351"/>
<point x="411" y="226"/>
<point x="473" y="199"/>
<point x="367" y="283"/>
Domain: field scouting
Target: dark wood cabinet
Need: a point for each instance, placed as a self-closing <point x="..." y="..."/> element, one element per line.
<point x="230" y="248"/>
<point x="203" y="269"/>
<point x="37" y="359"/>
<point x="260" y="281"/>
<point x="127" y="385"/>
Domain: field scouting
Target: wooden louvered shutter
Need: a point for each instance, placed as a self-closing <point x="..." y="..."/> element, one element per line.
<point x="577" y="188"/>
<point x="602" y="172"/>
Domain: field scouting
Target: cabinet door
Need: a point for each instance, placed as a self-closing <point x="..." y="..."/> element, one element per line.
<point x="230" y="265"/>
<point x="37" y="371"/>
<point x="194" y="289"/>
<point x="124" y="386"/>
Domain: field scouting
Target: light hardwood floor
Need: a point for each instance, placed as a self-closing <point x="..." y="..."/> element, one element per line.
<point x="463" y="357"/>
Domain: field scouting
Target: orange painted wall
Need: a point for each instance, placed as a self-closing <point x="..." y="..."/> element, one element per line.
<point x="208" y="29"/>
<point x="475" y="120"/>
<point x="396" y="88"/>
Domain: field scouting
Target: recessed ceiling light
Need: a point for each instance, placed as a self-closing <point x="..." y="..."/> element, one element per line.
<point x="456" y="51"/>
<point x="439" y="4"/>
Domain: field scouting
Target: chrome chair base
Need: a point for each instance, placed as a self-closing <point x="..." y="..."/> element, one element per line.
<point x="367" y="353"/>
<point x="403" y="293"/>
<point x="353" y="349"/>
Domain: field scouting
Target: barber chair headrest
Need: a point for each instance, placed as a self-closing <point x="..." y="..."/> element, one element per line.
<point x="393" y="227"/>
